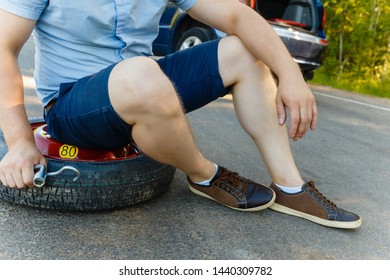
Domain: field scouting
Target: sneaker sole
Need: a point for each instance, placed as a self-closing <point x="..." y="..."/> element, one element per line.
<point x="262" y="207"/>
<point x="334" y="224"/>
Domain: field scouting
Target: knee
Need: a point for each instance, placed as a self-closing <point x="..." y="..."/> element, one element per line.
<point x="234" y="52"/>
<point x="143" y="89"/>
<point x="233" y="49"/>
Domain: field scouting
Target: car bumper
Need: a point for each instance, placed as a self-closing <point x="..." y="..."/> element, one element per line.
<point x="306" y="49"/>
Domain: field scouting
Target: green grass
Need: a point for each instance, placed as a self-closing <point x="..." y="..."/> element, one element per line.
<point x="369" y="87"/>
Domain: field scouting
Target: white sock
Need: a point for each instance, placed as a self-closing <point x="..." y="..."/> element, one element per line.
<point x="207" y="182"/>
<point x="290" y="190"/>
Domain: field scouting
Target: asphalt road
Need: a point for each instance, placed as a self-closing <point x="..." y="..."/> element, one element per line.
<point x="348" y="157"/>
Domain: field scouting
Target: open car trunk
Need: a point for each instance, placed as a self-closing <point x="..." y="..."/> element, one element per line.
<point x="298" y="14"/>
<point x="299" y="25"/>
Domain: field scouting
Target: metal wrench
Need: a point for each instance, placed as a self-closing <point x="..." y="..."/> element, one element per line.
<point x="41" y="174"/>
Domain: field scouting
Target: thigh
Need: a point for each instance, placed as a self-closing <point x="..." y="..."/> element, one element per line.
<point x="195" y="74"/>
<point x="83" y="115"/>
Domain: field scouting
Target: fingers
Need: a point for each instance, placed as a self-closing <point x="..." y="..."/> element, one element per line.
<point x="281" y="110"/>
<point x="14" y="176"/>
<point x="43" y="161"/>
<point x="18" y="178"/>
<point x="17" y="166"/>
<point x="295" y="97"/>
<point x="303" y="118"/>
<point x="10" y="179"/>
<point x="295" y="122"/>
<point x="313" y="123"/>
<point x="28" y="176"/>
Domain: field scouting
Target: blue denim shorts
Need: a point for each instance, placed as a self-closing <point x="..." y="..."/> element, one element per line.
<point x="83" y="115"/>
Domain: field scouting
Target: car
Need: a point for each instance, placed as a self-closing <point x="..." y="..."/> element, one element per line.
<point x="299" y="24"/>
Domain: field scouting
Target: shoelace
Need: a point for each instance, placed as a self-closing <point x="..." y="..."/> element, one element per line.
<point x="229" y="181"/>
<point x="312" y="190"/>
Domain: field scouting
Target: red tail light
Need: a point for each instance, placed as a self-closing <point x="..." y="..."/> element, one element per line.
<point x="323" y="18"/>
<point x="250" y="3"/>
<point x="324" y="41"/>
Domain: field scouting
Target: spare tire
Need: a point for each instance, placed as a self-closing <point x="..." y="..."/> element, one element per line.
<point x="103" y="185"/>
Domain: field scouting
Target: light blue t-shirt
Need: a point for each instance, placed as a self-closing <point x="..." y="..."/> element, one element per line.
<point x="76" y="38"/>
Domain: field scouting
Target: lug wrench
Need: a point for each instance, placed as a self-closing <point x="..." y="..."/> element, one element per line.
<point x="41" y="174"/>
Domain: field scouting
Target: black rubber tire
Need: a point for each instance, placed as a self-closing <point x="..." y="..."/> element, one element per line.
<point x="102" y="186"/>
<point x="308" y="75"/>
<point x="201" y="34"/>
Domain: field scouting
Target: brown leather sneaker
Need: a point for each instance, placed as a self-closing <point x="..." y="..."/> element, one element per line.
<point x="310" y="204"/>
<point x="233" y="191"/>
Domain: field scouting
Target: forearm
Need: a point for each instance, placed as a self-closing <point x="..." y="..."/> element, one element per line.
<point x="261" y="40"/>
<point x="14" y="32"/>
<point x="234" y="18"/>
<point x="13" y="118"/>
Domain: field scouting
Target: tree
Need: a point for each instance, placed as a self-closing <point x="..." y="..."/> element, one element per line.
<point x="359" y="40"/>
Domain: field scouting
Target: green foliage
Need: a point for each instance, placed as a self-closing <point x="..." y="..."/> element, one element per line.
<point x="359" y="46"/>
<point x="371" y="87"/>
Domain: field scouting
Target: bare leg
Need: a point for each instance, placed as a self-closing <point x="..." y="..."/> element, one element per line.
<point x="145" y="98"/>
<point x="254" y="94"/>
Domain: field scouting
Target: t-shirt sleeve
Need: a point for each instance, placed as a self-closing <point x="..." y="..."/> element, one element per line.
<point x="30" y="9"/>
<point x="184" y="4"/>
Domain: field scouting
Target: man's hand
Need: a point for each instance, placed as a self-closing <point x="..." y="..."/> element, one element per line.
<point x="295" y="96"/>
<point x="17" y="166"/>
